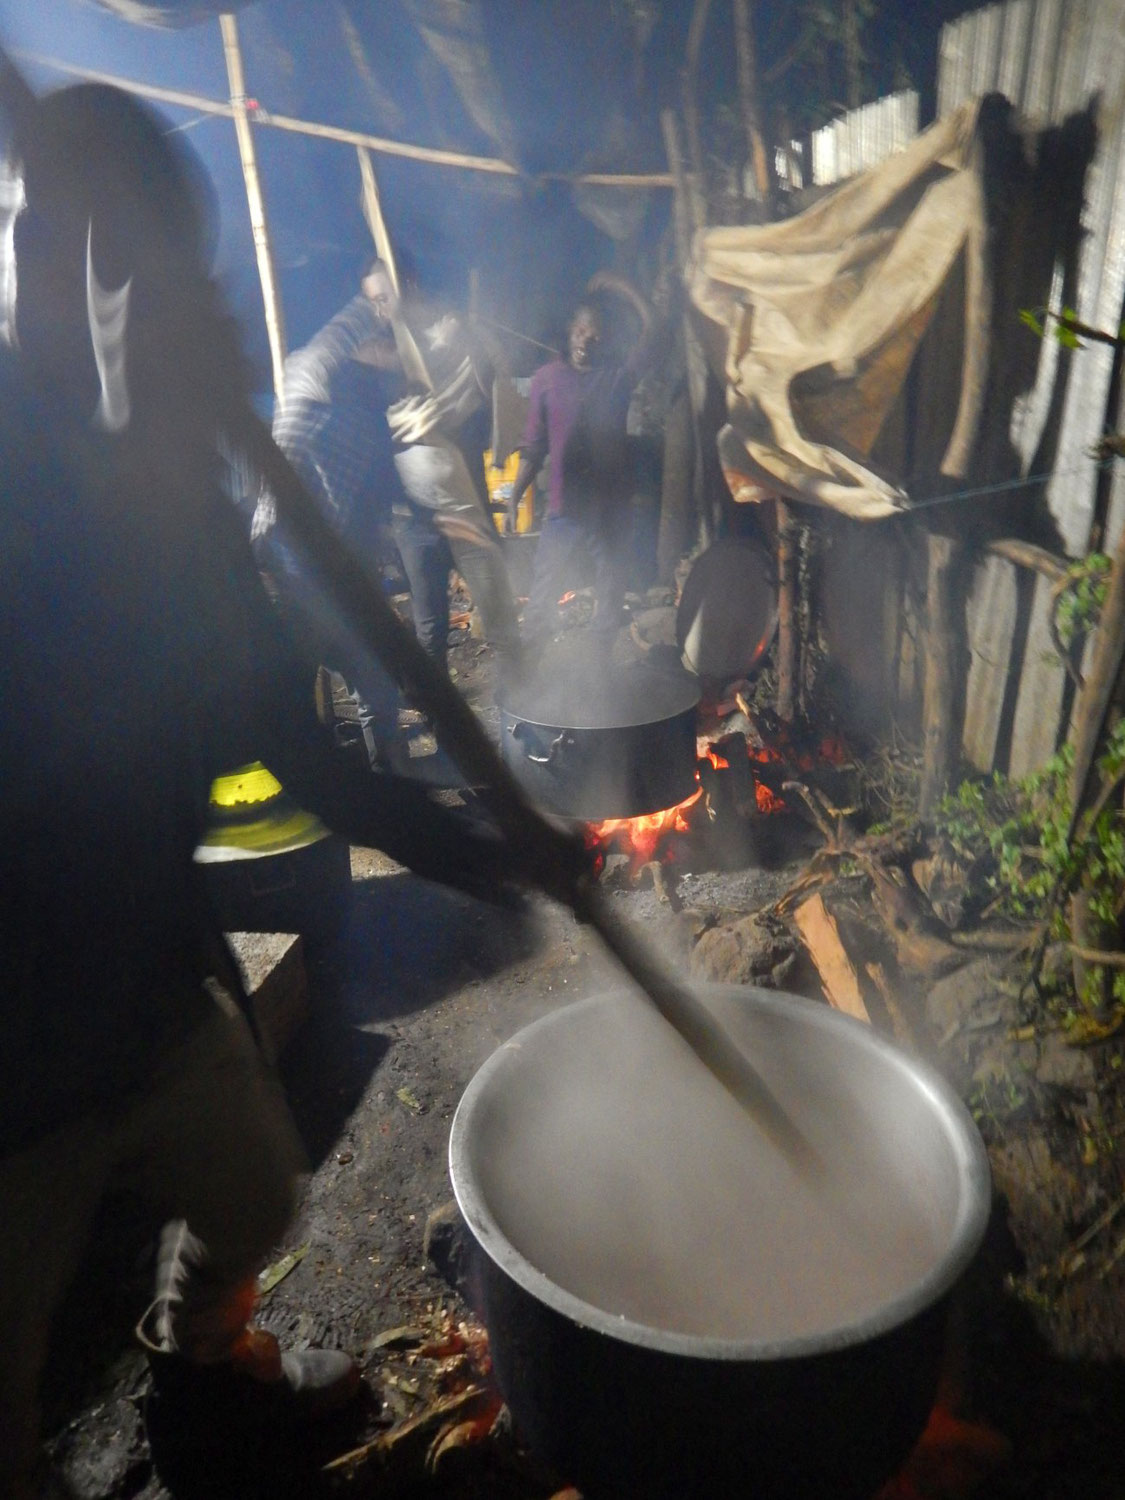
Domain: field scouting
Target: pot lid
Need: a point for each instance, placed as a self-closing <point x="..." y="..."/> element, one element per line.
<point x="727" y="613"/>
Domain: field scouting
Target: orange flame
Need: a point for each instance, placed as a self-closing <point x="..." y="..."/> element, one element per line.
<point x="641" y="837"/>
<point x="768" y="802"/>
<point x="951" y="1462"/>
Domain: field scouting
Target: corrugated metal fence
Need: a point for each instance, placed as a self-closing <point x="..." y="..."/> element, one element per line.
<point x="1055" y="60"/>
<point x="1052" y="59"/>
<point x="863" y="137"/>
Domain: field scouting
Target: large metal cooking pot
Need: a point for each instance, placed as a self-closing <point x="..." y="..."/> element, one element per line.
<point x="675" y="1307"/>
<point x="603" y="743"/>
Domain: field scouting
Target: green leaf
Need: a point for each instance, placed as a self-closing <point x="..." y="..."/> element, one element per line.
<point x="1029" y="319"/>
<point x="280" y="1269"/>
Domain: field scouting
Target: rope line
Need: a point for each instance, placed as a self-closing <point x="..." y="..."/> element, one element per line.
<point x="1028" y="482"/>
<point x="495" y="323"/>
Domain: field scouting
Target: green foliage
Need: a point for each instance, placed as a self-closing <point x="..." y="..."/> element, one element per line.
<point x="1068" y="328"/>
<point x="1008" y="831"/>
<point x="1062" y="331"/>
<point x="995" y="1099"/>
<point x="1013" y="833"/>
<point x="1079" y="605"/>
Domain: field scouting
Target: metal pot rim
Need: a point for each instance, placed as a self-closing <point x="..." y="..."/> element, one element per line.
<point x="646" y="722"/>
<point x="640" y="699"/>
<point x="972" y="1216"/>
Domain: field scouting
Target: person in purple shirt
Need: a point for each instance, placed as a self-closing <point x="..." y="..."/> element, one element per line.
<point x="577" y="418"/>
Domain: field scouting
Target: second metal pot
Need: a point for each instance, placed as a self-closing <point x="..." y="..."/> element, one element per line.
<point x="615" y="746"/>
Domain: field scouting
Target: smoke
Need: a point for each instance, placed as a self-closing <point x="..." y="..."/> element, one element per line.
<point x="618" y="1167"/>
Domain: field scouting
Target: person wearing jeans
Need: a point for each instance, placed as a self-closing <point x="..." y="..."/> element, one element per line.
<point x="443" y="521"/>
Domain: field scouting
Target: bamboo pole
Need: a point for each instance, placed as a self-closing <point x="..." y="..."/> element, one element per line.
<point x="377" y="143"/>
<point x="275" y="319"/>
<point x="413" y="363"/>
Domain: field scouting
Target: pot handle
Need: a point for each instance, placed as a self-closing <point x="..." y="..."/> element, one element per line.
<point x="554" y="749"/>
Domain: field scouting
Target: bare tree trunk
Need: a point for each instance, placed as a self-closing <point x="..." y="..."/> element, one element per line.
<point x="1101" y="691"/>
<point x="698" y="190"/>
<point x="674" y="535"/>
<point x="788" y="622"/>
<point x="853" y="57"/>
<point x="939" y="682"/>
<point x="694" y="360"/>
<point x="749" y="97"/>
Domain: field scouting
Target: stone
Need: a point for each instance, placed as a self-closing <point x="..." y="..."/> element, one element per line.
<point x="1065" y="1066"/>
<point x="1045" y="1197"/>
<point x="108" y="1458"/>
<point x="448" y="1246"/>
<point x="272" y="965"/>
<point x="751" y="950"/>
<point x="963" y="995"/>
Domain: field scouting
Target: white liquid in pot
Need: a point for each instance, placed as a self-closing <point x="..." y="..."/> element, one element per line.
<point x="620" y="1169"/>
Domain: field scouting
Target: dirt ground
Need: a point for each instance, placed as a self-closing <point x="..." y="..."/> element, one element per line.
<point x="419" y="989"/>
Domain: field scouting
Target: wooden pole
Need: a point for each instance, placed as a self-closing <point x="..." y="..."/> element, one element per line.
<point x="940" y="673"/>
<point x="275" y="322"/>
<point x="1096" y="703"/>
<point x="788" y="632"/>
<point x="544" y="848"/>
<point x="694" y="360"/>
<point x="377" y="143"/>
<point x="413" y="364"/>
<point x="697" y="182"/>
<point x="681" y="198"/>
<point x="853" y="56"/>
<point x="1027" y="555"/>
<point x="373" y="213"/>
<point x="749" y="95"/>
<point x="788" y="600"/>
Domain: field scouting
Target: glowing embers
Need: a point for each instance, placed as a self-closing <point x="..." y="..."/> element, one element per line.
<point x="951" y="1460"/>
<point x="730" y="791"/>
<point x="643" y="839"/>
<point x="766" y="799"/>
<point x="729" y="822"/>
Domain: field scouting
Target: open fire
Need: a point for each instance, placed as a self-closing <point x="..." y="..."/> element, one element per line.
<point x="736" y="778"/>
<point x="645" y="838"/>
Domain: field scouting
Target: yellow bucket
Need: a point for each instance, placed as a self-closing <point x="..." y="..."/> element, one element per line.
<point x="499" y="484"/>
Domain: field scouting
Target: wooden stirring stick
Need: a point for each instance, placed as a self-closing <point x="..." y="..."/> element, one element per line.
<point x="460" y="733"/>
